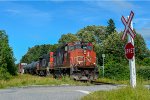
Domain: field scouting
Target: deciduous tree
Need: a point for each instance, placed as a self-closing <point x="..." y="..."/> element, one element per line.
<point x="65" y="38"/>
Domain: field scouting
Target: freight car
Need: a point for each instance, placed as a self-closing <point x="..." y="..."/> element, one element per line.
<point x="76" y="59"/>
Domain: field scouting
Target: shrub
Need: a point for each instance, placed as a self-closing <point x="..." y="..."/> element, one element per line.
<point x="144" y="72"/>
<point x="146" y="62"/>
<point x="116" y="71"/>
<point x="4" y="75"/>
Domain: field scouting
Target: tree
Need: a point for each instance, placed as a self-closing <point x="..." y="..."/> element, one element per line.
<point x="140" y="46"/>
<point x="6" y="54"/>
<point x="111" y="27"/>
<point x="65" y="38"/>
<point x="95" y="35"/>
<point x="141" y="51"/>
<point x="114" y="48"/>
<point x="35" y="52"/>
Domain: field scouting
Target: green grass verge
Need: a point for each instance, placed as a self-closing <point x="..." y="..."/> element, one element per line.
<point x="26" y="80"/>
<point x="140" y="81"/>
<point x="124" y="93"/>
<point x="106" y="80"/>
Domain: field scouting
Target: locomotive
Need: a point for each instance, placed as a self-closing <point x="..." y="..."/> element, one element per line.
<point x="76" y="59"/>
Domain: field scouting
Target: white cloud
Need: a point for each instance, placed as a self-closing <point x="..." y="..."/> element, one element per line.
<point x="116" y="6"/>
<point x="28" y="13"/>
<point x="12" y="11"/>
<point x="142" y="27"/>
<point x="142" y="19"/>
<point x="145" y="32"/>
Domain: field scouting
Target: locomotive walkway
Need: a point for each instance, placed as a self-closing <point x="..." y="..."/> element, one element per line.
<point x="51" y="92"/>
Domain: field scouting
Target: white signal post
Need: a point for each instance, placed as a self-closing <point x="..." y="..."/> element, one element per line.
<point x="131" y="35"/>
<point x="103" y="55"/>
<point x="132" y="63"/>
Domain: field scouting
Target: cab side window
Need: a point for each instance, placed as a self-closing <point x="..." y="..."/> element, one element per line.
<point x="66" y="48"/>
<point x="44" y="62"/>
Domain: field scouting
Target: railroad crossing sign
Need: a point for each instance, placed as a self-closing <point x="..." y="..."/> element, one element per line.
<point x="127" y="24"/>
<point x="129" y="50"/>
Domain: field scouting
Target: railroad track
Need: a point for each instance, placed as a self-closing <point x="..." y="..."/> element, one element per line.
<point x="98" y="82"/>
<point x="101" y="83"/>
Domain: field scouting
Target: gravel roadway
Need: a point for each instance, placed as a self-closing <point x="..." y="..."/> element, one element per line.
<point x="51" y="92"/>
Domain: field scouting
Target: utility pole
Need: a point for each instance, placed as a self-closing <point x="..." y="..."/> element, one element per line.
<point x="103" y="56"/>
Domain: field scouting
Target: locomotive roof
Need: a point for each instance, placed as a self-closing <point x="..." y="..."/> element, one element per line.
<point x="77" y="42"/>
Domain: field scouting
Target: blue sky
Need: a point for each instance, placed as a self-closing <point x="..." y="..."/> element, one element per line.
<point x="30" y="23"/>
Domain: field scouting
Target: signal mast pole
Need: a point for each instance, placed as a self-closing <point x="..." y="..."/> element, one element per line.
<point x="132" y="62"/>
<point x="129" y="48"/>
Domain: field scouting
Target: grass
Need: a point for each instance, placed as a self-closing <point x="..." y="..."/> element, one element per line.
<point x="106" y="80"/>
<point x="140" y="81"/>
<point x="26" y="80"/>
<point x="124" y="93"/>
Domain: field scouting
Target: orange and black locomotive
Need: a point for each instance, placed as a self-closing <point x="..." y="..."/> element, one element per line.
<point x="76" y="59"/>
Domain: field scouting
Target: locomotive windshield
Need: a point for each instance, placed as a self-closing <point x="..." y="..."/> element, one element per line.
<point x="86" y="47"/>
<point x="78" y="46"/>
<point x="89" y="47"/>
<point x="71" y="47"/>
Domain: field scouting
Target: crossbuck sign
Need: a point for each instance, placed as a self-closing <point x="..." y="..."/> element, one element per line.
<point x="129" y="48"/>
<point x="127" y="26"/>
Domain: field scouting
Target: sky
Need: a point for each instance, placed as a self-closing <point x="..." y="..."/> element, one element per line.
<point x="30" y="23"/>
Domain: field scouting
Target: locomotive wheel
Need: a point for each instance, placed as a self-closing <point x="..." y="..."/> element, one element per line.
<point x="41" y="73"/>
<point x="58" y="74"/>
<point x="36" y="71"/>
<point x="47" y="73"/>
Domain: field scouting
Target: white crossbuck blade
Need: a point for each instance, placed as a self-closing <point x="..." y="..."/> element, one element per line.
<point x="127" y="26"/>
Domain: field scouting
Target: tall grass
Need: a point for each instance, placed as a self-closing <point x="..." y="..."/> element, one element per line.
<point x="140" y="81"/>
<point x="124" y="93"/>
<point x="25" y="80"/>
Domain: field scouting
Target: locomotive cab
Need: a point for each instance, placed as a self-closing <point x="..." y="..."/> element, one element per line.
<point x="83" y="61"/>
<point x="83" y="55"/>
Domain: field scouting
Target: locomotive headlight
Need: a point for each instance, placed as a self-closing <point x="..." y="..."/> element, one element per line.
<point x="94" y="63"/>
<point x="84" y="51"/>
